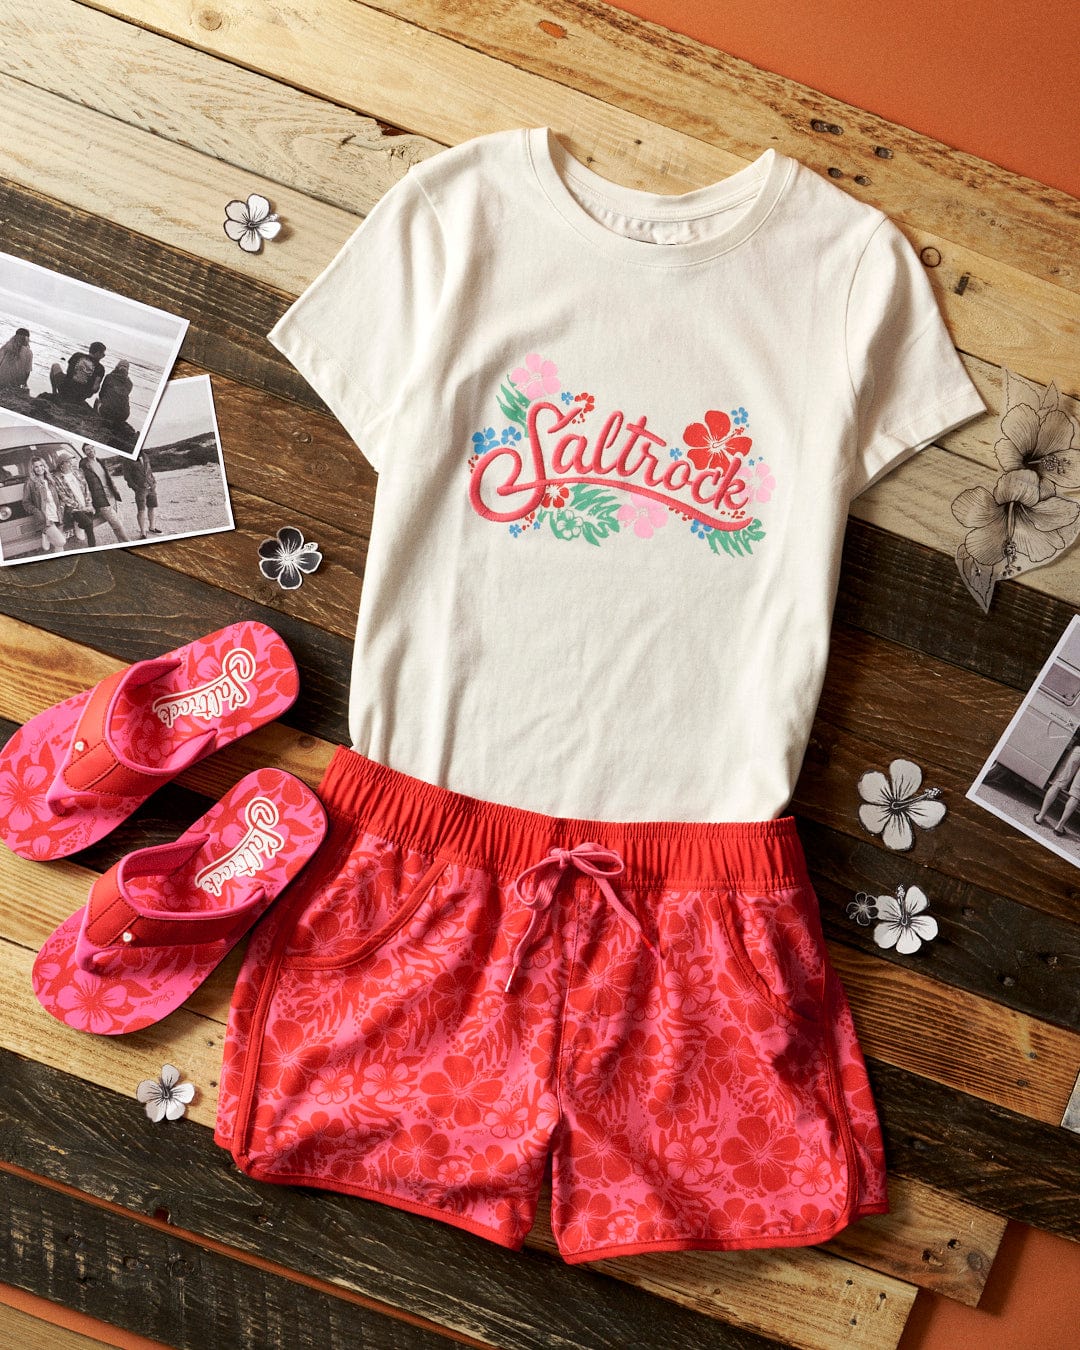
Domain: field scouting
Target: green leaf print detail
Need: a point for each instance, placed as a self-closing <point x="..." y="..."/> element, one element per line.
<point x="590" y="515"/>
<point x="514" y="404"/>
<point x="736" y="543"/>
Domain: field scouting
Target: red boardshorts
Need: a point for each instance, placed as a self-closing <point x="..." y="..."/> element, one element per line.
<point x="456" y="989"/>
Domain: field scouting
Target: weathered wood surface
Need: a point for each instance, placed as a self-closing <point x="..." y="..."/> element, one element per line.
<point x="233" y="96"/>
<point x="142" y="1278"/>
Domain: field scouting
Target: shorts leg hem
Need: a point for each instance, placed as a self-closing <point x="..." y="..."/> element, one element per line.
<point x="382" y="1197"/>
<point x="704" y="1244"/>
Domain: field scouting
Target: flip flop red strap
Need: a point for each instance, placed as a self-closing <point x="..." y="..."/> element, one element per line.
<point x="92" y="766"/>
<point x="111" y="921"/>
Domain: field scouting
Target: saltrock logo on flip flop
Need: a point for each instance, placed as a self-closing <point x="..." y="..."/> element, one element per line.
<point x="208" y="701"/>
<point x="614" y="475"/>
<point x="260" y="843"/>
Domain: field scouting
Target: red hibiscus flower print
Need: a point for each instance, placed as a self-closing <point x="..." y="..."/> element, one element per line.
<point x="602" y="1155"/>
<point x="22" y="794"/>
<point x="739" y="1218"/>
<point x="458" y="1094"/>
<point x="417" y="1151"/>
<point x="759" y="1159"/>
<point x="711" y="444"/>
<point x="556" y="496"/>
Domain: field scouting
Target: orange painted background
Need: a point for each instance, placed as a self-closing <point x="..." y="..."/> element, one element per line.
<point x="997" y="78"/>
<point x="1000" y="80"/>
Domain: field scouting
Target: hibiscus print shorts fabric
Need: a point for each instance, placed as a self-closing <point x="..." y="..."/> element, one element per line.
<point x="456" y="991"/>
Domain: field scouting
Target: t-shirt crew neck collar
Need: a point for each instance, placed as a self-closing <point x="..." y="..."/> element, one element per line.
<point x="756" y="188"/>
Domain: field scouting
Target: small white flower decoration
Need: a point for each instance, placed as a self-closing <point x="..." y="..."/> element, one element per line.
<point x="862" y="909"/>
<point x="166" y="1098"/>
<point x="249" y="223"/>
<point x="288" y="557"/>
<point x="894" y="804"/>
<point x="903" y="924"/>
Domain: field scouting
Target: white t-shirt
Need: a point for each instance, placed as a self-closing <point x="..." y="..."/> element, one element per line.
<point x="616" y="434"/>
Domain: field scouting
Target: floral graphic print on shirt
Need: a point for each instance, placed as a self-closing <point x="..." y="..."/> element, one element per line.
<point x="564" y="469"/>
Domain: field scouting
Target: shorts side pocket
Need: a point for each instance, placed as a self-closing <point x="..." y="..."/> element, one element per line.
<point x="778" y="948"/>
<point x="373" y="942"/>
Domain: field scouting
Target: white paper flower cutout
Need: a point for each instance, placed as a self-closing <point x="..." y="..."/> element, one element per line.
<point x="166" y="1098"/>
<point x="894" y="804"/>
<point x="903" y="924"/>
<point x="249" y="223"/>
<point x="288" y="557"/>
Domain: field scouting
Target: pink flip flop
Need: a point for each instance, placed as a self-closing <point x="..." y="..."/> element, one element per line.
<point x="75" y="771"/>
<point x="163" y="918"/>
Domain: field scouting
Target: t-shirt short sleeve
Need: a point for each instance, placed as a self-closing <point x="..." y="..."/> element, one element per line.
<point x="909" y="384"/>
<point x="364" y="324"/>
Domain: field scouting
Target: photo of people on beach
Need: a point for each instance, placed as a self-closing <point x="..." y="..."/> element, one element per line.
<point x="63" y="495"/>
<point x="80" y="360"/>
<point x="1031" y="778"/>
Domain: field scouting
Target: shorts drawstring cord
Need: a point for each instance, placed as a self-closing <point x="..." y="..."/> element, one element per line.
<point x="599" y="863"/>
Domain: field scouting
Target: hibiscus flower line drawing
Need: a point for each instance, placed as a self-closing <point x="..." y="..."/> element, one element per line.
<point x="1022" y="522"/>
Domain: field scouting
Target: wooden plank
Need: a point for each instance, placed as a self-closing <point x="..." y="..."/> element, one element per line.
<point x="990" y="1156"/>
<point x="465" y="1285"/>
<point x="681" y="83"/>
<point x="160" y="189"/>
<point x="103" y="1263"/>
<point x="34" y="1333"/>
<point x="913" y="595"/>
<point x="380" y="65"/>
<point x="950" y="1037"/>
<point x="954" y="1261"/>
<point x="183" y="95"/>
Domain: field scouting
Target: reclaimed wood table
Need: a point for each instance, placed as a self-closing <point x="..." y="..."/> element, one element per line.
<point x="127" y="127"/>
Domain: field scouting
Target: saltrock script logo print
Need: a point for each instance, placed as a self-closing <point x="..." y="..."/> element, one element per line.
<point x="260" y="843"/>
<point x="208" y="701"/>
<point x="591" y="474"/>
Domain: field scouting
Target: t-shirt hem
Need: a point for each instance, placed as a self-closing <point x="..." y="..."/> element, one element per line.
<point x="892" y="448"/>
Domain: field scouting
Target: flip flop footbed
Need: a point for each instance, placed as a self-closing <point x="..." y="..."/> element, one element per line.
<point x="262" y="833"/>
<point x="229" y="682"/>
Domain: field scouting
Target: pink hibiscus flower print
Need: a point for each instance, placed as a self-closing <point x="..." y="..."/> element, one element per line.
<point x="90" y="1003"/>
<point x="22" y="795"/>
<point x="710" y="442"/>
<point x="536" y="377"/>
<point x="643" y="515"/>
<point x="759" y="483"/>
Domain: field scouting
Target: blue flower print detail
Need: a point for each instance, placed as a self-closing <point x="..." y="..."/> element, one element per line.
<point x="699" y="528"/>
<point x="536" y="524"/>
<point x="515" y="530"/>
<point x="566" y="396"/>
<point x="509" y="436"/>
<point x="485" y="440"/>
<point x="675" y="452"/>
<point x="740" y="416"/>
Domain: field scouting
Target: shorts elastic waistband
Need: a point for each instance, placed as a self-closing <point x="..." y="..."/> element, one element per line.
<point x="758" y="854"/>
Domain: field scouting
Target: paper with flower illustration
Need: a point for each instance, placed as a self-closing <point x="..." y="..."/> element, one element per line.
<point x="1031" y="778"/>
<point x="1024" y="521"/>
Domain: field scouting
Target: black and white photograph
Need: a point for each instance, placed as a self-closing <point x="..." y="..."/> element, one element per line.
<point x="63" y="495"/>
<point x="80" y="360"/>
<point x="1032" y="777"/>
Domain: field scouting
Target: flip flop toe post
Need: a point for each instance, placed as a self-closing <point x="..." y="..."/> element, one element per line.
<point x="75" y="771"/>
<point x="160" y="921"/>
